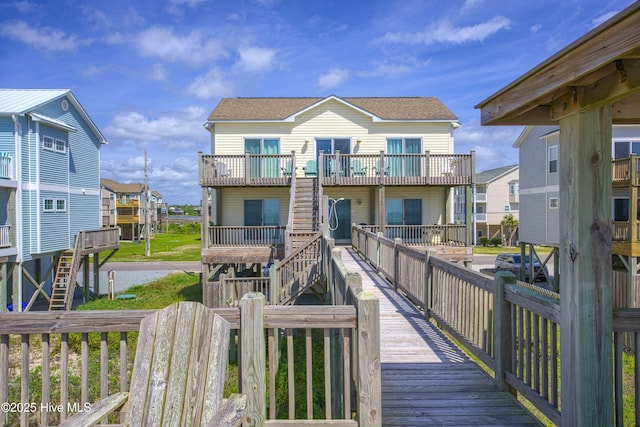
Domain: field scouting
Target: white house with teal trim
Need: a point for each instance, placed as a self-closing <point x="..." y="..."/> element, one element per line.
<point x="49" y="185"/>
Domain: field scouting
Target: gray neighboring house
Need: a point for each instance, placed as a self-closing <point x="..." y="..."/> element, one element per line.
<point x="539" y="191"/>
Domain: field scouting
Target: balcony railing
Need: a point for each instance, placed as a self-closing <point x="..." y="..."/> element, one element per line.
<point x="6" y="166"/>
<point x="223" y="236"/>
<point x="396" y="169"/>
<point x="424" y="235"/>
<point x="339" y="169"/>
<point x="247" y="169"/>
<point x="481" y="197"/>
<point x="480" y="217"/>
<point x="5" y="236"/>
<point x="626" y="172"/>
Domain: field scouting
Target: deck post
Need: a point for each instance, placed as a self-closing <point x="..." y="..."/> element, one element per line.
<point x="585" y="257"/>
<point x="502" y="329"/>
<point x="369" y="369"/>
<point x="397" y="241"/>
<point x="428" y="282"/>
<point x="274" y="282"/>
<point x="253" y="358"/>
<point x="378" y="236"/>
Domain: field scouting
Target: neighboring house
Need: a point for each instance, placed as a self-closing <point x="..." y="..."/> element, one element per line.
<point x="127" y="207"/>
<point x="49" y="187"/>
<point x="387" y="163"/>
<point x="540" y="191"/>
<point x="496" y="195"/>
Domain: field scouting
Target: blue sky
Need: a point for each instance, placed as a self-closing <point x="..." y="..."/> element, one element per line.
<point x="150" y="71"/>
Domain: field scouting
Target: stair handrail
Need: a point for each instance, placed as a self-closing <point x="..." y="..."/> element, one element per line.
<point x="73" y="272"/>
<point x="296" y="272"/>
<point x="292" y="198"/>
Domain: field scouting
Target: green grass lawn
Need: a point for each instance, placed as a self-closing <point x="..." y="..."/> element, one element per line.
<point x="158" y="294"/>
<point x="495" y="250"/>
<point x="164" y="247"/>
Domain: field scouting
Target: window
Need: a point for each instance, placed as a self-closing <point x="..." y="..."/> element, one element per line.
<point x="623" y="149"/>
<point x="507" y="208"/>
<point x="513" y="189"/>
<point x="553" y="203"/>
<point x="48" y="205"/>
<point x="54" y="205"/>
<point x="400" y="165"/>
<point x="47" y="143"/>
<point x="60" y="146"/>
<point x="259" y="164"/>
<point x="621" y="209"/>
<point x="553" y="159"/>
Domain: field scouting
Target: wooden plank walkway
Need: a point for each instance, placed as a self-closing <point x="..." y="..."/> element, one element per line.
<point x="426" y="380"/>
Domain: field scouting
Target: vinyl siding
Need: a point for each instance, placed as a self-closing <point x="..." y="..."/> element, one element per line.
<point x="7" y="141"/>
<point x="330" y="120"/>
<point x="232" y="200"/>
<point x="54" y="165"/>
<point x="54" y="226"/>
<point x="433" y="201"/>
<point x="498" y="198"/>
<point x="361" y="204"/>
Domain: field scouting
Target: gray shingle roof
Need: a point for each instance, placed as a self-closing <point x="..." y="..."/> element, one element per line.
<point x="491" y="174"/>
<point x="391" y="108"/>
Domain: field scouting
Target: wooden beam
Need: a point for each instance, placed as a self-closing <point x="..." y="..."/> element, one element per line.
<point x="621" y="80"/>
<point x="585" y="268"/>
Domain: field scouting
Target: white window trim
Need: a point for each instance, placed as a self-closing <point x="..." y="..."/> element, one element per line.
<point x="549" y="159"/>
<point x="553" y="207"/>
<point x="54" y="205"/>
<point x="62" y="143"/>
<point x="48" y="143"/>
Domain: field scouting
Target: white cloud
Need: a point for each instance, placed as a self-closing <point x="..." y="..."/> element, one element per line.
<point x="22" y="6"/>
<point x="190" y="3"/>
<point x="444" y="32"/>
<point x="172" y="130"/>
<point x="211" y="85"/>
<point x="602" y="18"/>
<point x="493" y="144"/>
<point x="45" y="38"/>
<point x="191" y="49"/>
<point x="256" y="58"/>
<point x="333" y="78"/>
<point x="93" y="71"/>
<point x="536" y="28"/>
<point x="470" y="4"/>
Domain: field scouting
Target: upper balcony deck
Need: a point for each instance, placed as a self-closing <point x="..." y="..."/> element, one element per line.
<point x="626" y="172"/>
<point x="337" y="169"/>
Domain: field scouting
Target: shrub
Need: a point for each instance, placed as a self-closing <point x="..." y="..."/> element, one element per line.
<point x="484" y="240"/>
<point x="496" y="241"/>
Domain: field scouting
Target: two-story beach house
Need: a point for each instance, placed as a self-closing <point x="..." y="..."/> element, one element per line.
<point x="387" y="163"/>
<point x="540" y="192"/>
<point x="49" y="194"/>
<point x="496" y="195"/>
<point x="129" y="207"/>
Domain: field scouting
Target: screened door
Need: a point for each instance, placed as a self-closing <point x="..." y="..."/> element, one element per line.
<point x="340" y="219"/>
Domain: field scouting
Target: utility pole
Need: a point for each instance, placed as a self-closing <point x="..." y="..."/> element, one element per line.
<point x="147" y="211"/>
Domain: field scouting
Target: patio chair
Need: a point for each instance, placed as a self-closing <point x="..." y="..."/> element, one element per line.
<point x="311" y="169"/>
<point x="178" y="373"/>
<point x="222" y="171"/>
<point x="357" y="169"/>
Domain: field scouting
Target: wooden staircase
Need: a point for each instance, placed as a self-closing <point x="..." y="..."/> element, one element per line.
<point x="306" y="218"/>
<point x="64" y="283"/>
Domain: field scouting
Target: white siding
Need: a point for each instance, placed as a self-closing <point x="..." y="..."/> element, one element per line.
<point x="232" y="200"/>
<point x="331" y="120"/>
<point x="498" y="198"/>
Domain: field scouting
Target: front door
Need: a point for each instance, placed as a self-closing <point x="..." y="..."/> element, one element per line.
<point x="340" y="219"/>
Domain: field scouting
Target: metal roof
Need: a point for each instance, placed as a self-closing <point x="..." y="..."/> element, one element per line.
<point x="19" y="101"/>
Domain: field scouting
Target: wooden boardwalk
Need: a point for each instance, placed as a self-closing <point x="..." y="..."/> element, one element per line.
<point x="426" y="380"/>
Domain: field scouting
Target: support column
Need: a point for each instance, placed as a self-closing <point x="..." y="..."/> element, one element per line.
<point x="468" y="211"/>
<point x="585" y="247"/>
<point x="382" y="214"/>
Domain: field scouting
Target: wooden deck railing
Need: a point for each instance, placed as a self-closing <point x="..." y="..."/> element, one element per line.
<point x="92" y="240"/>
<point x="424" y="235"/>
<point x="5" y="236"/>
<point x="626" y="171"/>
<point x="396" y="169"/>
<point x="512" y="328"/>
<point x="293" y="275"/>
<point x="626" y="341"/>
<point x="6" y="166"/>
<point x="229" y="236"/>
<point x="247" y="169"/>
<point x="54" y="364"/>
<point x="339" y="169"/>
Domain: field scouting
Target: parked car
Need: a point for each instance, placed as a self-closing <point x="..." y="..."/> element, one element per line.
<point x="513" y="262"/>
